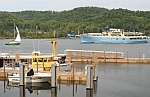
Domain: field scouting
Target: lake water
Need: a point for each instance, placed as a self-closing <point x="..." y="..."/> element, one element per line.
<point x="114" y="79"/>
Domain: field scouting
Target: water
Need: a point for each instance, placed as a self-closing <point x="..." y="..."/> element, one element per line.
<point x="28" y="45"/>
<point x="114" y="79"/>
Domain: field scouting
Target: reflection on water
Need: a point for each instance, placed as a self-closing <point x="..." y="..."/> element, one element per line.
<point x="31" y="87"/>
<point x="22" y="91"/>
<point x="95" y="87"/>
<point x="89" y="93"/>
<point x="35" y="88"/>
<point x="114" y="80"/>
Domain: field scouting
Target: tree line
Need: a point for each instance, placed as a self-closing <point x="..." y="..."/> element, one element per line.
<point x="49" y="24"/>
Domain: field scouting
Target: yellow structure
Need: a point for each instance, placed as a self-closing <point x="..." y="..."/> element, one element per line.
<point x="45" y="61"/>
<point x="54" y="47"/>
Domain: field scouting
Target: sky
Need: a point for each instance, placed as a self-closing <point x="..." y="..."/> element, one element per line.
<point x="61" y="5"/>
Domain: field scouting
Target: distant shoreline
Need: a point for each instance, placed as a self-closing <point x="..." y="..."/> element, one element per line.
<point x="41" y="38"/>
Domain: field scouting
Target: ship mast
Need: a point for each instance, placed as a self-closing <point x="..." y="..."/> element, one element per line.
<point x="14" y="30"/>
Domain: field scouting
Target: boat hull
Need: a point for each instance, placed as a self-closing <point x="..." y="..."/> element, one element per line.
<point x="112" y="40"/>
<point x="36" y="78"/>
<point x="12" y="43"/>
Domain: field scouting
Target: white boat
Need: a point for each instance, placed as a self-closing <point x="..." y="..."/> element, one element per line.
<point x="15" y="41"/>
<point x="36" y="78"/>
<point x="114" y="36"/>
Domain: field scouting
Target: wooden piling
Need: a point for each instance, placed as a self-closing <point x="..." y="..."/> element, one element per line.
<point x="73" y="72"/>
<point x="4" y="68"/>
<point x="17" y="57"/>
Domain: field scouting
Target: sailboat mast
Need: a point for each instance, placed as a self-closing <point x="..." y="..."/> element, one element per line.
<point x="14" y="30"/>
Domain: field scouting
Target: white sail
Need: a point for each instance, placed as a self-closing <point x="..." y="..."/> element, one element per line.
<point x="18" y="36"/>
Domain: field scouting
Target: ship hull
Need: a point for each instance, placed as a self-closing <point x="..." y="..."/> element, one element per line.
<point x="14" y="43"/>
<point x="112" y="40"/>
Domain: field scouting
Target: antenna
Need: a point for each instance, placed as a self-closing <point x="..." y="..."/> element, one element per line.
<point x="33" y="46"/>
<point x="39" y="46"/>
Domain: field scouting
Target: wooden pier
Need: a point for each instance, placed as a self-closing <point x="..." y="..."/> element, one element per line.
<point x="69" y="76"/>
<point x="102" y="57"/>
<point x="125" y="60"/>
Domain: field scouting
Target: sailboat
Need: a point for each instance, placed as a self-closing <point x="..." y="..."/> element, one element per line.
<point x="16" y="41"/>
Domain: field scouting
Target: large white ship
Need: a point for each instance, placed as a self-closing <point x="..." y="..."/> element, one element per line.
<point x="114" y="36"/>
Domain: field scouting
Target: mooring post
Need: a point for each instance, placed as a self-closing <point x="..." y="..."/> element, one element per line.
<point x="89" y="93"/>
<point x="89" y="83"/>
<point x="22" y="75"/>
<point x="53" y="81"/>
<point x="73" y="72"/>
<point x="95" y="85"/>
<point x="4" y="69"/>
<point x="143" y="55"/>
<point x="22" y="91"/>
<point x="53" y="92"/>
<point x="53" y="78"/>
<point x="95" y="73"/>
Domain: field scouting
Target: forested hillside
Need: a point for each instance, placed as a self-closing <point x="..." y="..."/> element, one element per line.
<point x="43" y="24"/>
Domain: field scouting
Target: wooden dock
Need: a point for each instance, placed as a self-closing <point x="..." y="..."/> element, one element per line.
<point x="102" y="56"/>
<point x="125" y="60"/>
<point x="69" y="76"/>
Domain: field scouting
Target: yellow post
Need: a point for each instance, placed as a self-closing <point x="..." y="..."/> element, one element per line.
<point x="54" y="48"/>
<point x="43" y="64"/>
<point x="37" y="65"/>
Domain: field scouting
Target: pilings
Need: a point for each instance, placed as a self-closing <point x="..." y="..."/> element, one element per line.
<point x="22" y="91"/>
<point x="22" y="78"/>
<point x="89" y="84"/>
<point x="95" y="73"/>
<point x="53" y="78"/>
<point x="91" y="76"/>
<point x="53" y="81"/>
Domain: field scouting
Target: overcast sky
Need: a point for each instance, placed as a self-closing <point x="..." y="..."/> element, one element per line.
<point x="61" y="5"/>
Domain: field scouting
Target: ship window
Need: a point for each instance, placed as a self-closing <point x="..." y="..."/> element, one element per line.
<point x="34" y="59"/>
